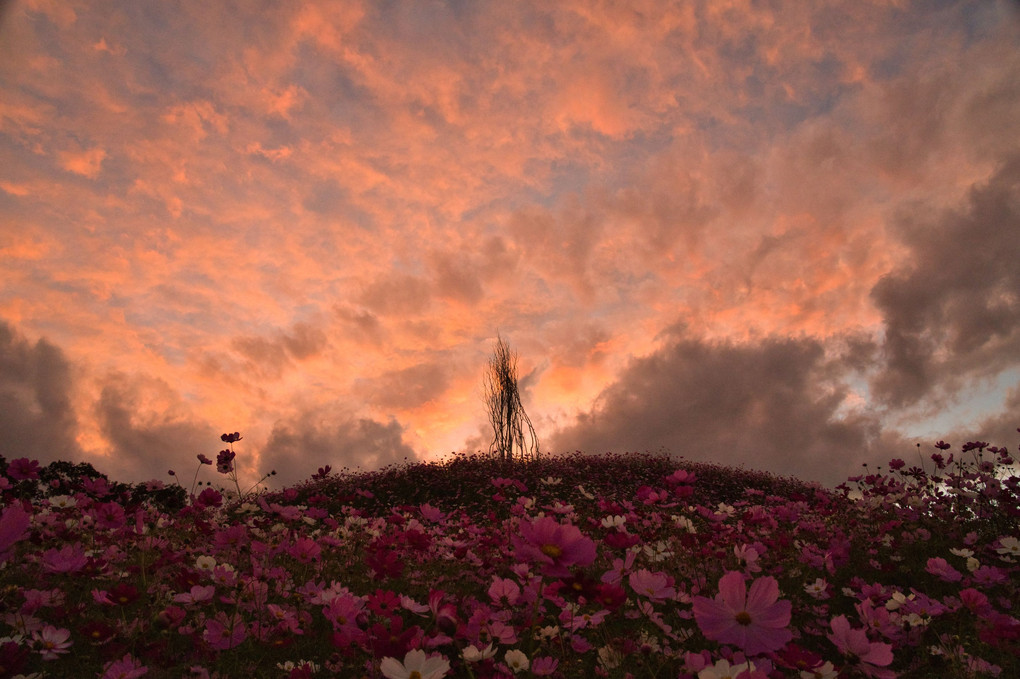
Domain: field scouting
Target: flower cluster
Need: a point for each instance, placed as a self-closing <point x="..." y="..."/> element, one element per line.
<point x="573" y="566"/>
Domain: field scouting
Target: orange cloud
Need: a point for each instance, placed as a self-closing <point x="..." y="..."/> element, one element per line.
<point x="87" y="163"/>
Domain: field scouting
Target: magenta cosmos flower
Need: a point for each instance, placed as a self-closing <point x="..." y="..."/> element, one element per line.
<point x="554" y="546"/>
<point x="754" y="621"/>
<point x="871" y="656"/>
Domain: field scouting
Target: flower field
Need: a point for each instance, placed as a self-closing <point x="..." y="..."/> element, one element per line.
<point x="567" y="566"/>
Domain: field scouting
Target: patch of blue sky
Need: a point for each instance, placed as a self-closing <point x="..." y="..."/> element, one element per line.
<point x="983" y="399"/>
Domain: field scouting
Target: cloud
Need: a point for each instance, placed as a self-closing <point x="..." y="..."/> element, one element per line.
<point x="86" y="162"/>
<point x="269" y="358"/>
<point x="36" y="414"/>
<point x="149" y="430"/>
<point x="952" y="309"/>
<point x="776" y="405"/>
<point x="410" y="388"/>
<point x="341" y="202"/>
<point x="301" y="444"/>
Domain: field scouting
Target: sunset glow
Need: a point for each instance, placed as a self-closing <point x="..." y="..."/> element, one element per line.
<point x="782" y="235"/>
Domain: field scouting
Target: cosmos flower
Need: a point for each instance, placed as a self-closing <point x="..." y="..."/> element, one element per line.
<point x="14" y="523"/>
<point x="753" y="620"/>
<point x="853" y="643"/>
<point x="127" y="667"/>
<point x="67" y="559"/>
<point x="51" y="642"/>
<point x="473" y="654"/>
<point x="222" y="633"/>
<point x="416" y="665"/>
<point x="517" y="661"/>
<point x="555" y="546"/>
<point x="655" y="586"/>
<point x="22" y="469"/>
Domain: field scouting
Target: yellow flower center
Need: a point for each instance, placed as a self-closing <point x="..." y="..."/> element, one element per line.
<point x="743" y="618"/>
<point x="552" y="551"/>
<point x="414" y="675"/>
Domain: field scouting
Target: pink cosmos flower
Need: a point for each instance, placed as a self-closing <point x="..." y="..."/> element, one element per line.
<point x="23" y="468"/>
<point x="67" y="559"/>
<point x="38" y="598"/>
<point x="555" y="546"/>
<point x="14" y="523"/>
<point x="109" y="515"/>
<point x="940" y="567"/>
<point x="343" y="612"/>
<point x="305" y="550"/>
<point x="197" y="594"/>
<point x="655" y="586"/>
<point x="989" y="576"/>
<point x="127" y="667"/>
<point x="871" y="656"/>
<point x="753" y="620"/>
<point x="544" y="665"/>
<point x="222" y="634"/>
<point x="52" y="642"/>
<point x="504" y="591"/>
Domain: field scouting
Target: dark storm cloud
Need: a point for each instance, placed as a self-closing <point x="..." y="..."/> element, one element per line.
<point x="36" y="417"/>
<point x="774" y="405"/>
<point x="952" y="311"/>
<point x="144" y="444"/>
<point x="298" y="447"/>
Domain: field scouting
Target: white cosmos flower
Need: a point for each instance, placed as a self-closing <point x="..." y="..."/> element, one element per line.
<point x="473" y="654"/>
<point x="416" y="664"/>
<point x="205" y="564"/>
<point x="1009" y="546"/>
<point x="517" y="661"/>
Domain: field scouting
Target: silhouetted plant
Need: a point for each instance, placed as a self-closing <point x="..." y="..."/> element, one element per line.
<point x="510" y="424"/>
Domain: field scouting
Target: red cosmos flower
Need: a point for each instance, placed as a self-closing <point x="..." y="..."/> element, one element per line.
<point x="97" y="632"/>
<point x="392" y="639"/>
<point x="384" y="602"/>
<point x="123" y="593"/>
<point x="385" y="563"/>
<point x="13" y="657"/>
<point x="210" y="497"/>
<point x="610" y="596"/>
<point x="554" y="546"/>
<point x="225" y="461"/>
<point x="753" y="620"/>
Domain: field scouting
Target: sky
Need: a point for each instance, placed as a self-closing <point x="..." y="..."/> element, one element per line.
<point x="778" y="235"/>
